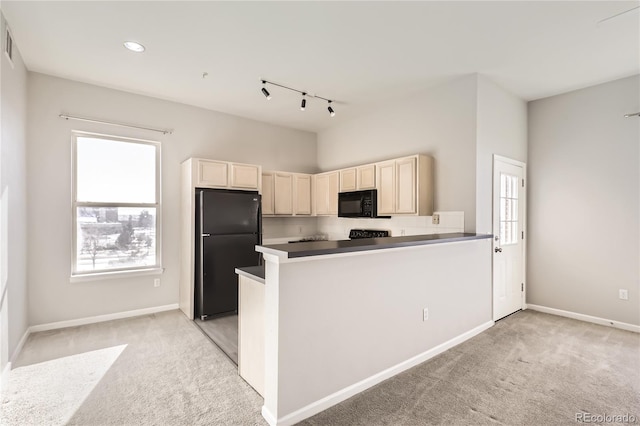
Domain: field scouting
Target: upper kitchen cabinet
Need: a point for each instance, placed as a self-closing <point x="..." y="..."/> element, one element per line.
<point x="366" y="177"/>
<point x="286" y="194"/>
<point x="405" y="186"/>
<point x="348" y="180"/>
<point x="223" y="174"/>
<point x="283" y="193"/>
<point x="358" y="178"/>
<point x="386" y="187"/>
<point x="302" y="185"/>
<point x="326" y="193"/>
<point x="268" y="201"/>
<point x="245" y="176"/>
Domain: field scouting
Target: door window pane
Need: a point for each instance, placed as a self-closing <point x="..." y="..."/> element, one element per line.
<point x="508" y="209"/>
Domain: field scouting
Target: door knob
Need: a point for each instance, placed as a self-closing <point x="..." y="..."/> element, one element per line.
<point x="498" y="250"/>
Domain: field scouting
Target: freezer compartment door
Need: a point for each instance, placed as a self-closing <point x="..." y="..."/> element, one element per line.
<point x="218" y="292"/>
<point x="229" y="212"/>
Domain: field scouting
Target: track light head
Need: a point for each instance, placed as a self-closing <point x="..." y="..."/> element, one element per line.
<point x="331" y="111"/>
<point x="265" y="92"/>
<point x="303" y="104"/>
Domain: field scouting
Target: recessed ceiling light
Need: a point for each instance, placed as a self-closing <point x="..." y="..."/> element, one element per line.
<point x="134" y="46"/>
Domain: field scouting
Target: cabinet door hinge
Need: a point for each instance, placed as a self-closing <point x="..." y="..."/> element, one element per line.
<point x="521" y="286"/>
<point x="523" y="183"/>
<point x="523" y="235"/>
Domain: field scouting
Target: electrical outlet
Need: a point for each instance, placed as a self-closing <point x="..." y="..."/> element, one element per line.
<point x="402" y="233"/>
<point x="435" y="219"/>
<point x="156" y="282"/>
<point x="425" y="314"/>
<point x="623" y="294"/>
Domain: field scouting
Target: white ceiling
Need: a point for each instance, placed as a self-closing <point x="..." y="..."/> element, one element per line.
<point x="358" y="53"/>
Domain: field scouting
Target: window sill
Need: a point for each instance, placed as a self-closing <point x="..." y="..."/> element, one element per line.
<point x="115" y="275"/>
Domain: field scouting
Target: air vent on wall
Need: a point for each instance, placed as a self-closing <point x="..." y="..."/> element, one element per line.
<point x="8" y="45"/>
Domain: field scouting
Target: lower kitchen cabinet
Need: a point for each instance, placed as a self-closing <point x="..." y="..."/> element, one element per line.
<point x="251" y="332"/>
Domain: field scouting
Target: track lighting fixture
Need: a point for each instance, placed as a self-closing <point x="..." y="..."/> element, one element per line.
<point x="265" y="92"/>
<point x="303" y="103"/>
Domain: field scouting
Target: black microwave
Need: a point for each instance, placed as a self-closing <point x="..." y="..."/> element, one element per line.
<point x="358" y="204"/>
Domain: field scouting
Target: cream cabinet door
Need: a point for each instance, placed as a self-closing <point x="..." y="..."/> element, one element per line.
<point x="267" y="193"/>
<point x="348" y="180"/>
<point x="326" y="193"/>
<point x="251" y="332"/>
<point x="283" y="193"/>
<point x="406" y="185"/>
<point x="322" y="194"/>
<point x="212" y="174"/>
<point x="303" y="194"/>
<point x="333" y="192"/>
<point x="367" y="177"/>
<point x="245" y="176"/>
<point x="386" y="176"/>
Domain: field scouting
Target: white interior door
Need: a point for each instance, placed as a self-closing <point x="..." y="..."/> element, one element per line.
<point x="508" y="241"/>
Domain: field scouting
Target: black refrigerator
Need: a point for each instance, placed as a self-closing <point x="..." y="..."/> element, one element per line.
<point x="228" y="227"/>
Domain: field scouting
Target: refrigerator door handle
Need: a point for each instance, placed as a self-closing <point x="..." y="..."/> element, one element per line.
<point x="205" y="235"/>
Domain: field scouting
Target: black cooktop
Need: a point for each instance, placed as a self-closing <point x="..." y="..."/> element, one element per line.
<point x="356" y="234"/>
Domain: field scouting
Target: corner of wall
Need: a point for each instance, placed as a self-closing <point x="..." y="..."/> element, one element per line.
<point x="13" y="228"/>
<point x="501" y="129"/>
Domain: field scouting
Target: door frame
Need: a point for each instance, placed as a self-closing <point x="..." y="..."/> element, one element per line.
<point x="513" y="162"/>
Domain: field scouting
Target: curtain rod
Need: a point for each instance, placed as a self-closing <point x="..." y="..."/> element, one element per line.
<point x="131" y="126"/>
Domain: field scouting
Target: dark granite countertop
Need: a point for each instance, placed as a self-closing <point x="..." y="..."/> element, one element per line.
<point x="317" y="248"/>
<point x="254" y="272"/>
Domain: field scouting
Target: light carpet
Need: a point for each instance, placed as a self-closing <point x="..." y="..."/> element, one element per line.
<point x="168" y="373"/>
<point x="529" y="369"/>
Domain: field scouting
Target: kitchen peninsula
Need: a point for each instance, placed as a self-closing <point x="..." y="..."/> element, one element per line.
<point x="341" y="316"/>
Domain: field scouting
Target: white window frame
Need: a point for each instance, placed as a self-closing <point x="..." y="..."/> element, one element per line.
<point x="115" y="272"/>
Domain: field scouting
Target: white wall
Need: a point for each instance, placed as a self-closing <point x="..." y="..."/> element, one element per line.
<point x="198" y="132"/>
<point x="279" y="230"/>
<point x="501" y="130"/>
<point x="337" y="228"/>
<point x="13" y="204"/>
<point x="345" y="320"/>
<point x="440" y="121"/>
<point x="584" y="198"/>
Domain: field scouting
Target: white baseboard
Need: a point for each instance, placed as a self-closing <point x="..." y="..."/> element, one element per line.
<point x="583" y="317"/>
<point x="339" y="396"/>
<point x="102" y="318"/>
<point x="20" y="345"/>
<point x="268" y="416"/>
<point x="4" y="379"/>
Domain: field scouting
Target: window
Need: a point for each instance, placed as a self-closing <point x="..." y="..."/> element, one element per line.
<point x="116" y="206"/>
